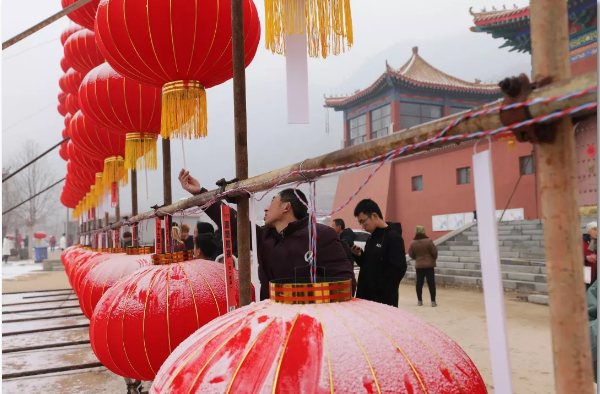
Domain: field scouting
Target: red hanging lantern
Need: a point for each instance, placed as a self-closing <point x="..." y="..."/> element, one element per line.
<point x="80" y="174"/>
<point x="39" y="235"/>
<point x="120" y="104"/>
<point x="353" y="346"/>
<point x="70" y="81"/>
<point x="146" y="315"/>
<point x="72" y="103"/>
<point x="62" y="98"/>
<point x="105" y="275"/>
<point x="65" y="65"/>
<point x="81" y="258"/>
<point x="80" y="159"/>
<point x="82" y="270"/>
<point x="82" y="52"/>
<point x="62" y="109"/>
<point x="67" y="33"/>
<point x="68" y="118"/>
<point x="183" y="47"/>
<point x="83" y="16"/>
<point x="101" y="144"/>
<point x="62" y="152"/>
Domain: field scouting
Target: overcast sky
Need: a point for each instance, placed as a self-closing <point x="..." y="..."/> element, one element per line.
<point x="383" y="29"/>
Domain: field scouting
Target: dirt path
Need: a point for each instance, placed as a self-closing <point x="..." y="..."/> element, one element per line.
<point x="36" y="281"/>
<point x="461" y="315"/>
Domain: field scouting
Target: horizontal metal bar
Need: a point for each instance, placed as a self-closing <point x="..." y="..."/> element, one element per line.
<point x="41" y="309"/>
<point x="10" y="334"/>
<point x="50" y="370"/>
<point x="40" y="302"/>
<point x="42" y="318"/>
<point x="49" y="295"/>
<point x="42" y="347"/>
<point x="35" y="291"/>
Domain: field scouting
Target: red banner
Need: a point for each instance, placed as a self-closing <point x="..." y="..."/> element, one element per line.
<point x="167" y="234"/>
<point x="134" y="240"/>
<point x="116" y="234"/>
<point x="158" y="248"/>
<point x="228" y="252"/>
<point x="114" y="194"/>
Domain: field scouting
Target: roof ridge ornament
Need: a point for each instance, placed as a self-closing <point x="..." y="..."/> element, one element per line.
<point x="415" y="50"/>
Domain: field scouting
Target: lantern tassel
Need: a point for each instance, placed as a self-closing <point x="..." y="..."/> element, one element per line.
<point x="328" y="25"/>
<point x="114" y="171"/>
<point x="183" y="110"/>
<point x="140" y="151"/>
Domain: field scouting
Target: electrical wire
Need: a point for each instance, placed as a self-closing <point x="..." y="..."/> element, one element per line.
<point x="32" y="197"/>
<point x="33" y="47"/>
<point x="28" y="117"/>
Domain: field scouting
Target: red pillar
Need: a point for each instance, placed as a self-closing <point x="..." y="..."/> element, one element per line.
<point x="446" y="110"/>
<point x="396" y="114"/>
<point x="368" y="116"/>
<point x="346" y="131"/>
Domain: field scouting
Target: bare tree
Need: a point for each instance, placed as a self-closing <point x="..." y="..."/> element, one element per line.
<point x="31" y="181"/>
<point x="10" y="198"/>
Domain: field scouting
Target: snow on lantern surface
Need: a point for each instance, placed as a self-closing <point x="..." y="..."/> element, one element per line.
<point x="138" y="322"/>
<point x="105" y="275"/>
<point x="76" y="259"/>
<point x="80" y="272"/>
<point x="354" y="346"/>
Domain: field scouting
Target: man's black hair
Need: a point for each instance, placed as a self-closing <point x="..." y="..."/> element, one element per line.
<point x="368" y="207"/>
<point x="126" y="234"/>
<point x="205" y="228"/>
<point x="206" y="243"/>
<point x="340" y="222"/>
<point x="299" y="210"/>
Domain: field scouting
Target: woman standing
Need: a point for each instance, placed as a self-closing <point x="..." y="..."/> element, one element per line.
<point x="590" y="248"/>
<point x="423" y="251"/>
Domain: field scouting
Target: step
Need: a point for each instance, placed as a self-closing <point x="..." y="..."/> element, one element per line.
<point x="477" y="282"/>
<point x="507" y="261"/>
<point x="533" y="232"/>
<point x="464" y="248"/>
<point x="476" y="273"/>
<point x="528" y="269"/>
<point x="457" y="243"/>
<point x="538" y="299"/>
<point x="514" y="237"/>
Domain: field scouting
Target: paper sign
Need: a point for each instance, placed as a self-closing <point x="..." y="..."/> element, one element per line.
<point x="158" y="248"/>
<point x="255" y="278"/>
<point x="116" y="239"/>
<point x="296" y="68"/>
<point x="228" y="252"/>
<point x="489" y="252"/>
<point x="114" y="194"/>
<point x="587" y="274"/>
<point x="167" y="234"/>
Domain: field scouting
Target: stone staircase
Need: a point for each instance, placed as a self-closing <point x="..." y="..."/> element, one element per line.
<point x="521" y="252"/>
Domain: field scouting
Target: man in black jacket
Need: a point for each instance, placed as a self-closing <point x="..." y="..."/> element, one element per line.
<point x="383" y="262"/>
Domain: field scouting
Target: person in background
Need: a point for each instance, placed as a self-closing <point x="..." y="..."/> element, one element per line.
<point x="346" y="235"/>
<point x="590" y="249"/>
<point x="284" y="240"/>
<point x="188" y="240"/>
<point x="127" y="239"/>
<point x="52" y="243"/>
<point x="7" y="245"/>
<point x="592" y="307"/>
<point x="423" y="251"/>
<point x="383" y="262"/>
<point x="206" y="247"/>
<point x="62" y="243"/>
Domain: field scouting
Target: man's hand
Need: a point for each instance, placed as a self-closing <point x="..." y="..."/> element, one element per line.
<point x="188" y="182"/>
<point x="356" y="250"/>
<point x="592" y="258"/>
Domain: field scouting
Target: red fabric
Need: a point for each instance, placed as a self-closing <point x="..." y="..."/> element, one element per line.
<point x="70" y="81"/>
<point x="183" y="40"/>
<point x="82" y="52"/>
<point x="587" y="252"/>
<point x="356" y="346"/>
<point x="146" y="315"/>
<point x="83" y="16"/>
<point x="118" y="103"/>
<point x="72" y="103"/>
<point x="67" y="33"/>
<point x="65" y="65"/>
<point x="94" y="141"/>
<point x="79" y="158"/>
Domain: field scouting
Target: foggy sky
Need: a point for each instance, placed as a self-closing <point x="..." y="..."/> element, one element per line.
<point x="383" y="29"/>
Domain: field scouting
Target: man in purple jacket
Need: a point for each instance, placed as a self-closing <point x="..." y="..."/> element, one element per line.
<point x="283" y="241"/>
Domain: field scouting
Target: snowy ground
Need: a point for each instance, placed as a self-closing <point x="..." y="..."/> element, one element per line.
<point x="14" y="269"/>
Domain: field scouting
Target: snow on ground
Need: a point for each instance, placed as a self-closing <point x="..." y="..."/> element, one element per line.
<point x="14" y="269"/>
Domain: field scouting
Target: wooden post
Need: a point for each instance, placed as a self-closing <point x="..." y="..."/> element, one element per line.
<point x="134" y="199"/>
<point x="241" y="149"/>
<point x="118" y="207"/>
<point x="562" y="234"/>
<point x="166" y="152"/>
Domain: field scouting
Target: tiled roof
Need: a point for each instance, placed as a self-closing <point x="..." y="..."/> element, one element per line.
<point x="416" y="72"/>
<point x="494" y="16"/>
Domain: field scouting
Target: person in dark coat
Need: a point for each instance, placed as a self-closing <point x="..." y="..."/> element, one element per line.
<point x="188" y="240"/>
<point x="283" y="241"/>
<point x="590" y="249"/>
<point x="205" y="247"/>
<point x="383" y="262"/>
<point x="346" y="235"/>
<point x="424" y="252"/>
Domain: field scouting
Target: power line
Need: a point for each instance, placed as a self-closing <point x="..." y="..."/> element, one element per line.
<point x="28" y="117"/>
<point x="33" y="47"/>
<point x="34" y="160"/>
<point x="32" y="197"/>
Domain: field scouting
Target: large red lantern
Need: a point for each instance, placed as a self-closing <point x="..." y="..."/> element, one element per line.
<point x="65" y="65"/>
<point x="62" y="152"/>
<point x="79" y="273"/>
<point x="84" y="161"/>
<point x="100" y="144"/>
<point x="72" y="103"/>
<point x="120" y="104"/>
<point x="70" y="81"/>
<point x="105" y="275"/>
<point x="183" y="47"/>
<point x="353" y="346"/>
<point x="62" y="109"/>
<point x="68" y="118"/>
<point x="82" y="52"/>
<point x="146" y="315"/>
<point x="67" y="33"/>
<point x="83" y="16"/>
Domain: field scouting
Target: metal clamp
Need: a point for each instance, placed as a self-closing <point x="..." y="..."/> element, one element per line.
<point x="222" y="183"/>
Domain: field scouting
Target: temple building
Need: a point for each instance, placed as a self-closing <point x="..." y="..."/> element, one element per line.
<point x="434" y="188"/>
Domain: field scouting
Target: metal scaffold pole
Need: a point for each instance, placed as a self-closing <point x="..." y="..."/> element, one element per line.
<point x="562" y="234"/>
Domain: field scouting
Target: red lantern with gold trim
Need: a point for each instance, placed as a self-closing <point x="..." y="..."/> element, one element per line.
<point x="146" y="315"/>
<point x="79" y="273"/>
<point x="68" y="118"/>
<point x="101" y="278"/>
<point x="183" y="47"/>
<point x="338" y="345"/>
<point x="85" y="162"/>
<point x="65" y="65"/>
<point x="72" y="103"/>
<point x="70" y="81"/>
<point x="120" y="104"/>
<point x="67" y="33"/>
<point x="62" y="109"/>
<point x="62" y="152"/>
<point x="82" y="52"/>
<point x="83" y="16"/>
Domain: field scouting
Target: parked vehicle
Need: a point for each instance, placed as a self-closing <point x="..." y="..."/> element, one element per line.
<point x="361" y="238"/>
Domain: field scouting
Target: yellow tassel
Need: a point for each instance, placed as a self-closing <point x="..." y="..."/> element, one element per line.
<point x="140" y="151"/>
<point x="183" y="110"/>
<point x="99" y="186"/>
<point x="327" y="23"/>
<point x="114" y="171"/>
<point x="93" y="198"/>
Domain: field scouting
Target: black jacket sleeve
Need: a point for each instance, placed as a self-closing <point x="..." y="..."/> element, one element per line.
<point x="331" y="256"/>
<point x="394" y="256"/>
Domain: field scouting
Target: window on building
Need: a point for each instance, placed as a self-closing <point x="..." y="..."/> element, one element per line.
<point x="412" y="114"/>
<point x="463" y="175"/>
<point x="381" y="118"/>
<point x="358" y="130"/>
<point x="526" y="165"/>
<point x="417" y="183"/>
<point x="456" y="110"/>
